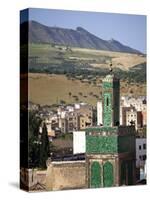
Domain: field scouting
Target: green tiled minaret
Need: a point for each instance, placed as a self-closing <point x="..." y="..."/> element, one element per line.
<point x="110" y="149"/>
<point x="111" y="100"/>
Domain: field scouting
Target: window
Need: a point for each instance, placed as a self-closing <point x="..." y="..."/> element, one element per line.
<point x="144" y="157"/>
<point x="107" y="101"/>
<point x="32" y="176"/>
<point x="139" y="147"/>
<point x="144" y="146"/>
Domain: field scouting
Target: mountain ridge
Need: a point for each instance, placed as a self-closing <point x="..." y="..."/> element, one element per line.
<point x="80" y="37"/>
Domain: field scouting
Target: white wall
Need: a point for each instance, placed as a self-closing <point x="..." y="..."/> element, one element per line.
<point x="78" y="142"/>
<point x="99" y="113"/>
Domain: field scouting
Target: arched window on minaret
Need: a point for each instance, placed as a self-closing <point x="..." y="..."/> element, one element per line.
<point x="107" y="101"/>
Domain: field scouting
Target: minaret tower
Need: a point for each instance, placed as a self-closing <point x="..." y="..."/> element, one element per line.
<point x="111" y="100"/>
<point x="110" y="148"/>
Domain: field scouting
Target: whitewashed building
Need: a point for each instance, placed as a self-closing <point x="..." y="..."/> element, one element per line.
<point x="78" y="142"/>
<point x="99" y="113"/>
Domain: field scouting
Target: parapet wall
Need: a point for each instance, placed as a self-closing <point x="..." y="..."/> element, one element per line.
<point x="66" y="175"/>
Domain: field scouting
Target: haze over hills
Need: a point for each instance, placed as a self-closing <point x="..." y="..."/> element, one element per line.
<point x="39" y="33"/>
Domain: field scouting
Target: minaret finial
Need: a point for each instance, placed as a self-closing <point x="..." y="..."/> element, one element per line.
<point x="110" y="67"/>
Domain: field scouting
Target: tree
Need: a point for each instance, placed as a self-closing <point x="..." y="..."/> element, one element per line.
<point x="44" y="147"/>
<point x="62" y="102"/>
<point x="34" y="148"/>
<point x="70" y="94"/>
<point x="38" y="143"/>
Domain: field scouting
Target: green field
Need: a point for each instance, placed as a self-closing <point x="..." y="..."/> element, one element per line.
<point x="55" y="55"/>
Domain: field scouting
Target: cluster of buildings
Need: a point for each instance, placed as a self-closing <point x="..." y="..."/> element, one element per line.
<point x="133" y="111"/>
<point x="76" y="118"/>
<point x="68" y="119"/>
<point x="109" y="148"/>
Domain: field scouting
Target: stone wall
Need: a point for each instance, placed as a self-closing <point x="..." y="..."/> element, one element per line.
<point x="66" y="175"/>
<point x="41" y="176"/>
<point x="29" y="178"/>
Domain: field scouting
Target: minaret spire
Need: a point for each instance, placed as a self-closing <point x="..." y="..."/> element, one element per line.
<point x="110" y="68"/>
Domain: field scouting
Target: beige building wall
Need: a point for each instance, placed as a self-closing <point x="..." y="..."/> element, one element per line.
<point x="131" y="115"/>
<point x="84" y="121"/>
<point x="66" y="175"/>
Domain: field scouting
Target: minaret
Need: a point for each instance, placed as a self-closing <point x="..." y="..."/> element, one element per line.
<point x="111" y="99"/>
<point x="110" y="148"/>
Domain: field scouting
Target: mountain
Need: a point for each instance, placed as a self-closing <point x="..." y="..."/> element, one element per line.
<point x="39" y="33"/>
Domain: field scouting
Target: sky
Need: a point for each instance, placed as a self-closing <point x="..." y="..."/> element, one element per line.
<point x="128" y="29"/>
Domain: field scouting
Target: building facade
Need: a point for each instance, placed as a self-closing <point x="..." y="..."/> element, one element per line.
<point x="140" y="152"/>
<point x="135" y="117"/>
<point x="75" y="118"/>
<point x="136" y="108"/>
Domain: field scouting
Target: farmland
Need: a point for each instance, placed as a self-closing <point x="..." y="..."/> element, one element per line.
<point x="56" y="55"/>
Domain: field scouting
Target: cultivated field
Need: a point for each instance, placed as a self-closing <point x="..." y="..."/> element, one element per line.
<point x="120" y="60"/>
<point x="57" y="55"/>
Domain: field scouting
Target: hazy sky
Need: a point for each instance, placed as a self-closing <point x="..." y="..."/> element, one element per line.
<point x="128" y="29"/>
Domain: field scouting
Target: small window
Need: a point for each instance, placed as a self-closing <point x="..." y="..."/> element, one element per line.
<point x="32" y="176"/>
<point x="144" y="157"/>
<point x="144" y="146"/>
<point x="107" y="101"/>
<point x="139" y="147"/>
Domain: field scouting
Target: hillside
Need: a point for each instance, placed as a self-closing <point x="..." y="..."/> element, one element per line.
<point x="39" y="33"/>
<point x="45" y="58"/>
<point x="47" y="89"/>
